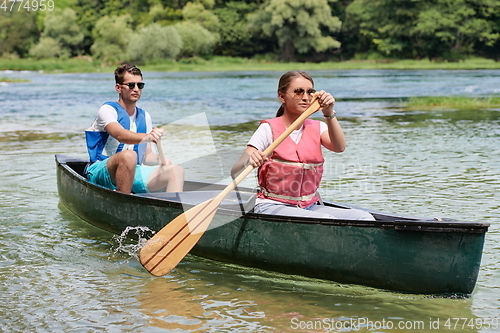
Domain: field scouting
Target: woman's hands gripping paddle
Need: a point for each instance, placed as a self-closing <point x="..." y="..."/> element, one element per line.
<point x="170" y="245"/>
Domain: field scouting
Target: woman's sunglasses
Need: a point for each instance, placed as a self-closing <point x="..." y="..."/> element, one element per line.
<point x="131" y="85"/>
<point x="301" y="91"/>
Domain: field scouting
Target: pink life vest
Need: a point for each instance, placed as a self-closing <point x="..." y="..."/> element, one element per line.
<point x="293" y="173"/>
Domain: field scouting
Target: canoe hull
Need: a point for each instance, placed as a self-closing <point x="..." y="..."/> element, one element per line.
<point x="392" y="253"/>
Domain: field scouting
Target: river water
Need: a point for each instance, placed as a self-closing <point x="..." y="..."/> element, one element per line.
<point x="60" y="274"/>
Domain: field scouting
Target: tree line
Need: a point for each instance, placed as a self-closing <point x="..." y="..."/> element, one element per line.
<point x="148" y="31"/>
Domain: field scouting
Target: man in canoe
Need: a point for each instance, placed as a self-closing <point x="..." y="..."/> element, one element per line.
<point x="290" y="177"/>
<point x="120" y="140"/>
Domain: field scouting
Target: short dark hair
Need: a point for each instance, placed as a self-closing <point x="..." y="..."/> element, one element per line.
<point x="126" y="68"/>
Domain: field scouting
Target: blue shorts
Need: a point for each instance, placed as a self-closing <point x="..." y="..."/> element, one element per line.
<point x="98" y="173"/>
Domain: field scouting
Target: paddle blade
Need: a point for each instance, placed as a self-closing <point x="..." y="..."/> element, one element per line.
<point x="166" y="249"/>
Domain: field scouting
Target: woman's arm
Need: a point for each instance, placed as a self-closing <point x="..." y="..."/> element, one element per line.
<point x="251" y="155"/>
<point x="333" y="139"/>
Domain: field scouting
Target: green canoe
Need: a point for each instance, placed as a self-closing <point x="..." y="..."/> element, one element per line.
<point x="394" y="252"/>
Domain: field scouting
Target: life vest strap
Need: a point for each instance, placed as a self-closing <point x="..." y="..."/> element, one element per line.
<point x="286" y="197"/>
<point x="305" y="166"/>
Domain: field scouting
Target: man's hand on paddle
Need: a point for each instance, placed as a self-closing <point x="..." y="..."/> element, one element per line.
<point x="155" y="135"/>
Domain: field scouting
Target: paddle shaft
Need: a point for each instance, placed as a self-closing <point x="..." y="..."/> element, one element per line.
<point x="163" y="160"/>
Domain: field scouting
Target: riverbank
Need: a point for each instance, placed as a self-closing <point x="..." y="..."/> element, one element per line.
<point x="86" y="65"/>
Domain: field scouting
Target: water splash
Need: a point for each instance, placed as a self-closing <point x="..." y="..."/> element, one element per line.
<point x="132" y="244"/>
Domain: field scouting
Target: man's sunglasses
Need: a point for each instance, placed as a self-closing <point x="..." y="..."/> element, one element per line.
<point x="301" y="91"/>
<point x="131" y="85"/>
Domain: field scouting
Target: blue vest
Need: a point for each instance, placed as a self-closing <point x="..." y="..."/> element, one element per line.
<point x="97" y="140"/>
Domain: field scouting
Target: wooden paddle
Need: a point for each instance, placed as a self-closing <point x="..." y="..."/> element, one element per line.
<point x="170" y="245"/>
<point x="160" y="152"/>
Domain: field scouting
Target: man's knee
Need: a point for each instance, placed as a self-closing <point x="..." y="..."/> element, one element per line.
<point x="124" y="160"/>
<point x="127" y="156"/>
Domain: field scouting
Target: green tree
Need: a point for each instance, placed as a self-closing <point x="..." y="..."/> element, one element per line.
<point x="48" y="47"/>
<point x="18" y="30"/>
<point x="111" y="35"/>
<point x="175" y="4"/>
<point x="298" y="25"/>
<point x="353" y="42"/>
<point x="153" y="43"/>
<point x="455" y="26"/>
<point x="235" y="37"/>
<point x="427" y="28"/>
<point x="88" y="12"/>
<point x="196" y="12"/>
<point x="196" y="40"/>
<point x="162" y="15"/>
<point x="61" y="33"/>
<point x="386" y="25"/>
<point x="491" y="11"/>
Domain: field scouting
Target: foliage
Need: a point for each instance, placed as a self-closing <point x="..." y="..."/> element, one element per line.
<point x="18" y="30"/>
<point x="61" y="35"/>
<point x="298" y="25"/>
<point x="88" y="12"/>
<point x="112" y="36"/>
<point x="162" y="15"/>
<point x="49" y="47"/>
<point x="196" y="40"/>
<point x="153" y="43"/>
<point x="427" y="28"/>
<point x="385" y="24"/>
<point x="196" y="12"/>
<point x="207" y="3"/>
<point x="312" y="30"/>
<point x="456" y="25"/>
<point x="61" y="25"/>
<point x="235" y="37"/>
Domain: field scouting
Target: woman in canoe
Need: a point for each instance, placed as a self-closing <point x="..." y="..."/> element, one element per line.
<point x="289" y="179"/>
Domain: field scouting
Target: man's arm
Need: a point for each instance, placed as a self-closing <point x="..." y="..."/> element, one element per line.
<point x="128" y="137"/>
<point x="125" y="136"/>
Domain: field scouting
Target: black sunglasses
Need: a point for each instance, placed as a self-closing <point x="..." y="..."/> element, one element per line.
<point x="131" y="85"/>
<point x="301" y="91"/>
